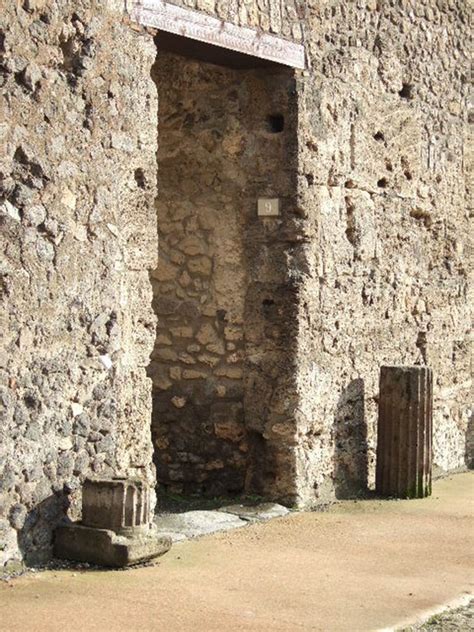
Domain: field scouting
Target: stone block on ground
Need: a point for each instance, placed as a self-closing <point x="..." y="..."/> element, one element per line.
<point x="257" y="513"/>
<point x="105" y="548"/>
<point x="174" y="536"/>
<point x="116" y="528"/>
<point x="193" y="524"/>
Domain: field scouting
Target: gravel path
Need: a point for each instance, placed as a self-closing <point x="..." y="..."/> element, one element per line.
<point x="456" y="620"/>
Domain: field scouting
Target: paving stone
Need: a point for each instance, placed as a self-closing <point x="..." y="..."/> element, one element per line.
<point x="192" y="524"/>
<point x="257" y="513"/>
<point x="174" y="536"/>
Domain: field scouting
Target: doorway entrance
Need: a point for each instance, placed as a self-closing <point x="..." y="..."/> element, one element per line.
<point x="225" y="141"/>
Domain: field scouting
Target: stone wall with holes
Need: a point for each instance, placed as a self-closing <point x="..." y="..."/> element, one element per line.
<point x="382" y="186"/>
<point x="78" y="232"/>
<point x="367" y="263"/>
<point x="376" y="260"/>
<point x="224" y="141"/>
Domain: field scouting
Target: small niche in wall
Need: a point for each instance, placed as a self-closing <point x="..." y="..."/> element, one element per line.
<point x="406" y="92"/>
<point x="275" y="123"/>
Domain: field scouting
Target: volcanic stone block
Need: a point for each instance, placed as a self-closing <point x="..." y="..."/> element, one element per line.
<point x="405" y="428"/>
<point x="116" y="527"/>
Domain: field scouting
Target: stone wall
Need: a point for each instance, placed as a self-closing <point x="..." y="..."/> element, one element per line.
<point x="367" y="264"/>
<point x="382" y="183"/>
<point x="224" y="141"/>
<point x="78" y="232"/>
<point x="375" y="238"/>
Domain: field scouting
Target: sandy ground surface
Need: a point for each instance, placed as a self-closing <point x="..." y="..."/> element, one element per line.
<point x="365" y="565"/>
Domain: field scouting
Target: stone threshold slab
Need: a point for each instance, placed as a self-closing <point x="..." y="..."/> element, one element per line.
<point x="193" y="524"/>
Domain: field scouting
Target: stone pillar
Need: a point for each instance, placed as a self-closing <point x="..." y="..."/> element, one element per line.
<point x="405" y="428"/>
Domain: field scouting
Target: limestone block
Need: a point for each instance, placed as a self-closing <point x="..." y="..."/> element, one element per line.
<point x="165" y="353"/>
<point x="192" y="245"/>
<point x="193" y="348"/>
<point x="191" y="374"/>
<point x="165" y="271"/>
<point x="175" y="372"/>
<point x="181" y="332"/>
<point x="210" y="360"/>
<point x="201" y="266"/>
<point x="229" y="430"/>
<point x="257" y="513"/>
<point x="232" y="372"/>
<point x="186" y="358"/>
<point x="231" y="332"/>
<point x="196" y="523"/>
<point x="216" y="347"/>
<point x="207" y="334"/>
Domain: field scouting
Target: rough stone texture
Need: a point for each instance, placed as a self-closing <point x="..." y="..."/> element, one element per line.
<point x="405" y="432"/>
<point x="366" y="266"/>
<point x="450" y="620"/>
<point x="383" y="189"/>
<point x="223" y="346"/>
<point x="78" y="233"/>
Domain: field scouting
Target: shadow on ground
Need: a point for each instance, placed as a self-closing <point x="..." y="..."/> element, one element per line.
<point x="350" y="443"/>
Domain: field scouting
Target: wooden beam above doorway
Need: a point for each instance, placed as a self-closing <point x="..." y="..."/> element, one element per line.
<point x="194" y="25"/>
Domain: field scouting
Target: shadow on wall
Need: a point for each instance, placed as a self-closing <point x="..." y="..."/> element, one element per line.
<point x="350" y="441"/>
<point x="469" y="451"/>
<point x="35" y="533"/>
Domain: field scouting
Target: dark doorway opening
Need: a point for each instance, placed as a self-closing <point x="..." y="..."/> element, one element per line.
<point x="218" y="154"/>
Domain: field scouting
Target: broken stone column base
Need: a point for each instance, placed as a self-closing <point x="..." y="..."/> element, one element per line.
<point x="105" y="548"/>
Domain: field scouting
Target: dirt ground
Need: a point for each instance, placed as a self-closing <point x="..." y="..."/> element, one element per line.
<point x="365" y="565"/>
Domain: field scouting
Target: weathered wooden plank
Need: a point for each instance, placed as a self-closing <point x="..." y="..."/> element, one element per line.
<point x="205" y="28"/>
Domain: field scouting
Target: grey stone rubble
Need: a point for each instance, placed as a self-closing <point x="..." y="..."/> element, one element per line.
<point x="452" y="620"/>
<point x="193" y="524"/>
